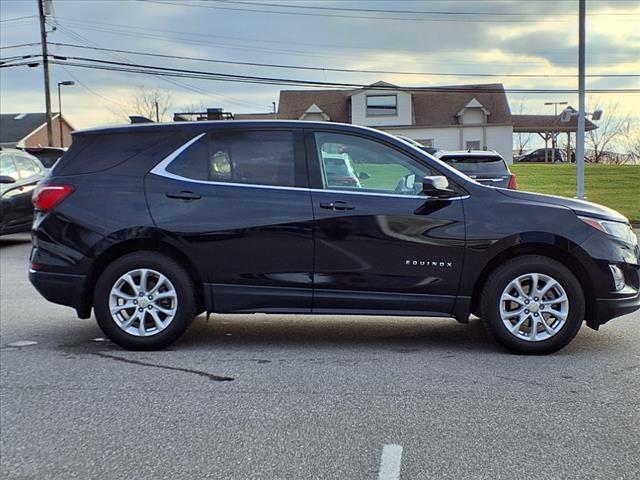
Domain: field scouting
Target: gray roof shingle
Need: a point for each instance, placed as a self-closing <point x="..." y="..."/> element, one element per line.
<point x="15" y="126"/>
<point x="548" y="123"/>
<point x="432" y="106"/>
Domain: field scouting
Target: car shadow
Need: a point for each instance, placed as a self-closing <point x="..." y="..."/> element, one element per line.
<point x="395" y="333"/>
<point x="14" y="239"/>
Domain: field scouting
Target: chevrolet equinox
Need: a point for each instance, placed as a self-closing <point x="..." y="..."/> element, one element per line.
<point x="150" y="225"/>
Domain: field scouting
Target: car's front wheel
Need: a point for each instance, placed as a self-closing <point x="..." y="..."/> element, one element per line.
<point x="532" y="305"/>
<point x="144" y="301"/>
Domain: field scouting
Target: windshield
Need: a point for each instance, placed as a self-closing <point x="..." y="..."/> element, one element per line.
<point x="48" y="159"/>
<point x="474" y="165"/>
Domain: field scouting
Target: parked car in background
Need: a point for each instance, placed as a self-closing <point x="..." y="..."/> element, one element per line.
<point x="48" y="156"/>
<point x="484" y="166"/>
<point x="339" y="170"/>
<point x="415" y="143"/>
<point x="19" y="175"/>
<point x="138" y="224"/>
<point x="538" y="155"/>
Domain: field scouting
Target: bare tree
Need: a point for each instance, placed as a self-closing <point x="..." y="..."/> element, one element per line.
<point x="522" y="140"/>
<point x="631" y="135"/>
<point x="193" y="110"/>
<point x="607" y="135"/>
<point x="150" y="102"/>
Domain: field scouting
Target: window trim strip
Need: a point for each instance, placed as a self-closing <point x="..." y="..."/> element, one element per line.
<point x="161" y="167"/>
<point x="161" y="170"/>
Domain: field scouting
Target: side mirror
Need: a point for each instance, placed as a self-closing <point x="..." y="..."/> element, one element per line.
<point x="363" y="176"/>
<point x="7" y="179"/>
<point x="437" y="186"/>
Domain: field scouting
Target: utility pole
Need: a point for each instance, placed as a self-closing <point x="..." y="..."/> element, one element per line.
<point x="157" y="113"/>
<point x="581" y="106"/>
<point x="45" y="66"/>
<point x="554" y="135"/>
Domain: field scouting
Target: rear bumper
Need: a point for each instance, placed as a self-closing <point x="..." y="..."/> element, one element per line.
<point x="63" y="289"/>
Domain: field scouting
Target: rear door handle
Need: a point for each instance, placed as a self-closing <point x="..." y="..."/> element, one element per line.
<point x="184" y="195"/>
<point x="337" y="206"/>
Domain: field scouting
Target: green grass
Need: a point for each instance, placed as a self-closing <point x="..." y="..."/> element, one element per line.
<point x="381" y="176"/>
<point x="615" y="186"/>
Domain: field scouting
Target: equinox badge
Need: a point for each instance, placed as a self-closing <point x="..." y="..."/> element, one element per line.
<point x="427" y="263"/>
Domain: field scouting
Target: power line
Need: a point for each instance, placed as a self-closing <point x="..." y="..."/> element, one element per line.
<point x="203" y="75"/>
<point x="412" y="12"/>
<point x="343" y="70"/>
<point x="338" y="15"/>
<point x="20" y="45"/>
<point x="111" y="27"/>
<point x="185" y="73"/>
<point x="88" y="88"/>
<point x="175" y="82"/>
<point x="163" y="38"/>
<point x="5" y="60"/>
<point x="15" y="19"/>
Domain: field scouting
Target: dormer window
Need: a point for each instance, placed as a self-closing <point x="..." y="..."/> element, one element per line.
<point x="378" y="105"/>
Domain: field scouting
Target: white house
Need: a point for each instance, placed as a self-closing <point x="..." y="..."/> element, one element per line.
<point x="451" y="118"/>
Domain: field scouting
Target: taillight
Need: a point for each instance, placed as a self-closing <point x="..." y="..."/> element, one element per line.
<point x="513" y="183"/>
<point x="45" y="197"/>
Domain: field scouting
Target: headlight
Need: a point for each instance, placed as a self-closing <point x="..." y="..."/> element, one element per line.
<point x="615" y="229"/>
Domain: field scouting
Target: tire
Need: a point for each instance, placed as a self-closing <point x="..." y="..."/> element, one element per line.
<point x="167" y="306"/>
<point x="561" y="308"/>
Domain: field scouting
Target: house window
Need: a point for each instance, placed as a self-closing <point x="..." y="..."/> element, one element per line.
<point x="473" y="145"/>
<point x="382" y="105"/>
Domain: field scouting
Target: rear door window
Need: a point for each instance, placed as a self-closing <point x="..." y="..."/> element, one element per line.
<point x="247" y="157"/>
<point x="476" y="165"/>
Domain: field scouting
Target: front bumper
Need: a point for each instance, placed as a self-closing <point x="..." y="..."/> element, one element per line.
<point x="619" y="303"/>
<point x="606" y="309"/>
<point x="63" y="289"/>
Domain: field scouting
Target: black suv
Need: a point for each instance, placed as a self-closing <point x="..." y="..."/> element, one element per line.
<point x="553" y="155"/>
<point x="150" y="225"/>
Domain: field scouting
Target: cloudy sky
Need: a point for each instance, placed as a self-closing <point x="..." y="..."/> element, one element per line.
<point x="498" y="37"/>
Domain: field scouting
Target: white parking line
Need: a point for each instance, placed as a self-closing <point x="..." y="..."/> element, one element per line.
<point x="390" y="461"/>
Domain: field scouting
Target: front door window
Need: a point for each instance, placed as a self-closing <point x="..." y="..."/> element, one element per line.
<point x="349" y="162"/>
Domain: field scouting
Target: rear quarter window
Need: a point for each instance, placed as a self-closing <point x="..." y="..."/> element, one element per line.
<point x="97" y="152"/>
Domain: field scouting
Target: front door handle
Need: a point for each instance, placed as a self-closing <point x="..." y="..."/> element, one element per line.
<point x="337" y="206"/>
<point x="184" y="195"/>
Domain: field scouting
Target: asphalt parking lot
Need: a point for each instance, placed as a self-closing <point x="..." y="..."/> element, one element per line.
<point x="291" y="397"/>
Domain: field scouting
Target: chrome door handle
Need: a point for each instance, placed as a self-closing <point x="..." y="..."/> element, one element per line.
<point x="337" y="206"/>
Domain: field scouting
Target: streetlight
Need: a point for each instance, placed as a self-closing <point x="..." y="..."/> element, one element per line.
<point x="553" y="135"/>
<point x="67" y="83"/>
<point x="556" y="105"/>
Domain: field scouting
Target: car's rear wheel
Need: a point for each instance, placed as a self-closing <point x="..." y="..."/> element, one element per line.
<point x="532" y="305"/>
<point x="144" y="301"/>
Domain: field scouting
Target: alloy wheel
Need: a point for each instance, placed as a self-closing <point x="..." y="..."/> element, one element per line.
<point x="143" y="302"/>
<point x="534" y="307"/>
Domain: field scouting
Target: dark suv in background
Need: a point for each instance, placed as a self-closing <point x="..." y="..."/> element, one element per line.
<point x="149" y="225"/>
<point x="48" y="156"/>
<point x="553" y="155"/>
<point x="484" y="166"/>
